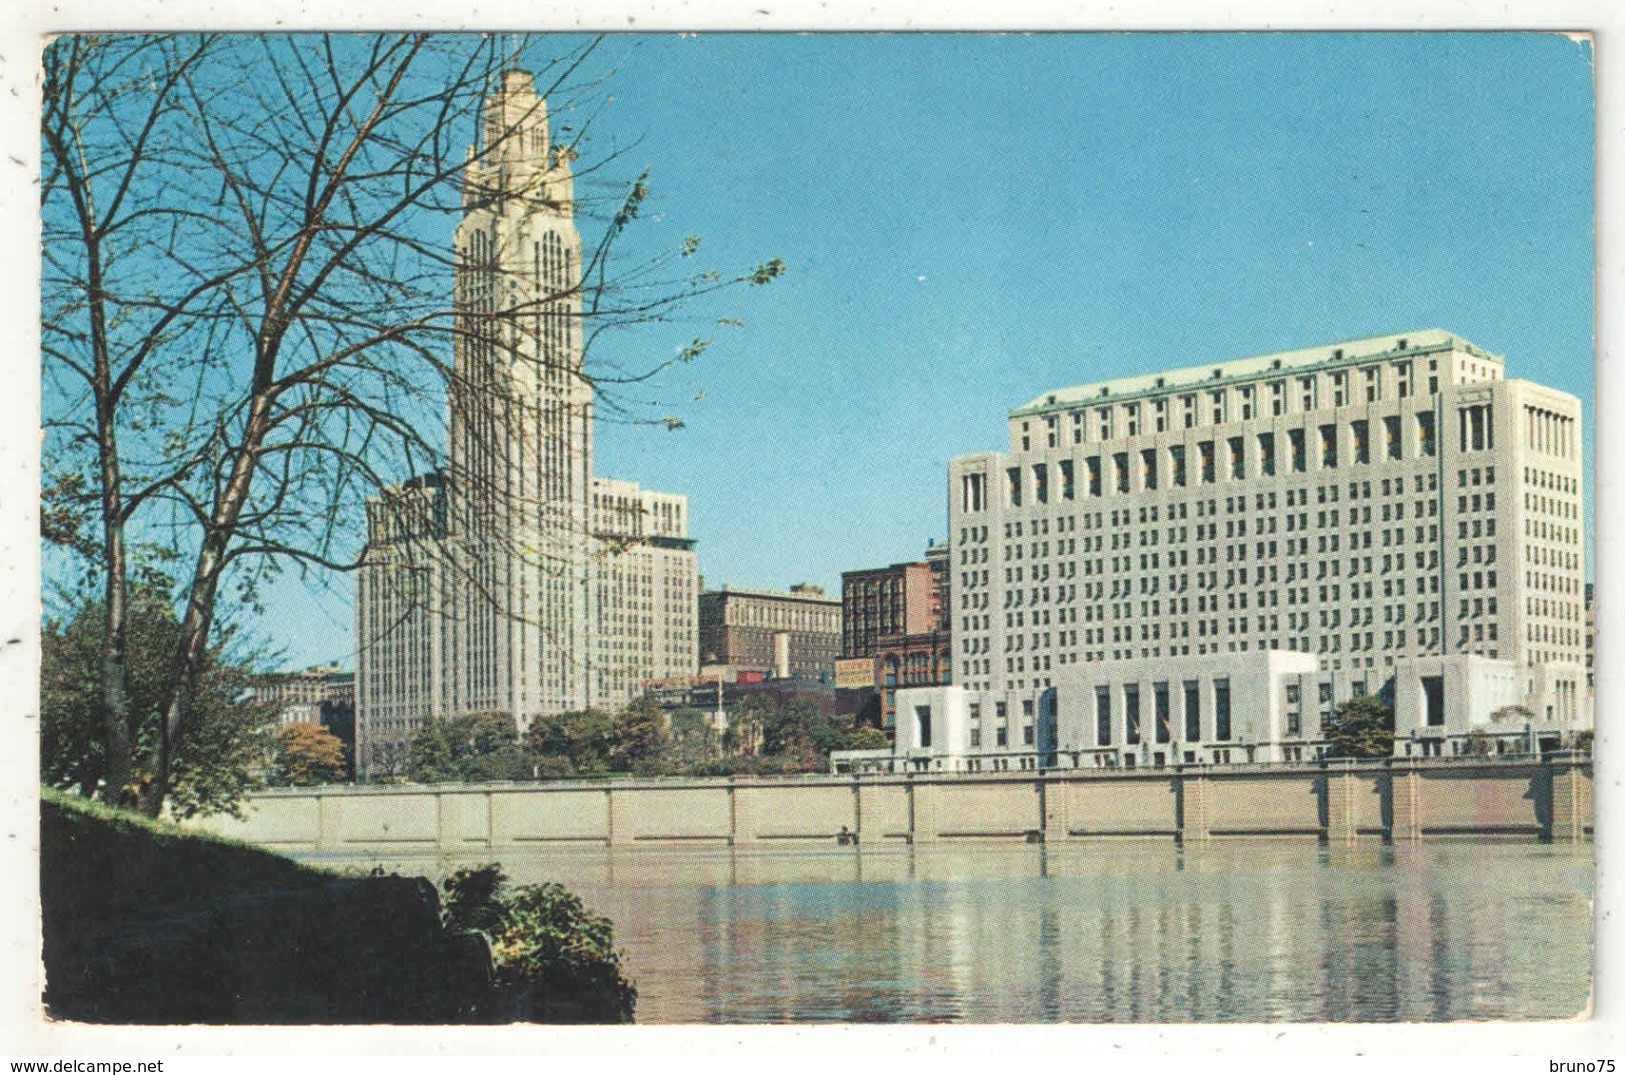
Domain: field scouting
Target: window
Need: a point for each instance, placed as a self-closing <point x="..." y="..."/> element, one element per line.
<point x="1068" y="486"/>
<point x="1221" y="709"/>
<point x="1238" y="458"/>
<point x="972" y="493"/>
<point x="1120" y="472"/>
<point x="1193" y="711"/>
<point x="1328" y="446"/>
<point x="1176" y="465"/>
<point x="1131" y="713"/>
<point x="1148" y="467"/>
<point x="1361" y="431"/>
<point x="1390" y="435"/>
<point x="1424" y="432"/>
<point x="1204" y="452"/>
<point x="1433" y="700"/>
<point x="1159" y="694"/>
<point x="1294" y="439"/>
<point x="1092" y="466"/>
<point x="922" y="717"/>
<point x="1266" y="454"/>
<point x="1041" y="483"/>
<point x="1103" y="716"/>
<point x="1013" y="476"/>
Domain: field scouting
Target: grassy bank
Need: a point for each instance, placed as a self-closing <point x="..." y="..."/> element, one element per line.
<point x="99" y="863"/>
<point x="146" y="922"/>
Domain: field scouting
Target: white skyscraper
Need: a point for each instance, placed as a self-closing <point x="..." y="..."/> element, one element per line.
<point x="1198" y="565"/>
<point x="515" y="582"/>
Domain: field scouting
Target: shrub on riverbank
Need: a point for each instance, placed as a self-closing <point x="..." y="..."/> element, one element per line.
<point x="555" y="960"/>
<point x="147" y="922"/>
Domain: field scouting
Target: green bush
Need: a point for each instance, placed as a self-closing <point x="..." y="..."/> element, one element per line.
<point x="1361" y="727"/>
<point x="555" y="959"/>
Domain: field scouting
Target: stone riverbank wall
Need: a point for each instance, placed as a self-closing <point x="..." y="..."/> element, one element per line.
<point x="1539" y="798"/>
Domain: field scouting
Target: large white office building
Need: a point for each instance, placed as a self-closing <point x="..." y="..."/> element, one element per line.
<point x="515" y="581"/>
<point x="1197" y="565"/>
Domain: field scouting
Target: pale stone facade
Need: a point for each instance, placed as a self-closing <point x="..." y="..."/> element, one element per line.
<point x="514" y="581"/>
<point x="647" y="585"/>
<point x="1226" y="709"/>
<point x="1356" y="508"/>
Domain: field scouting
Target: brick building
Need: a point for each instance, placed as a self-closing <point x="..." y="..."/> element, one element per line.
<point x="782" y="635"/>
<point x="894" y="620"/>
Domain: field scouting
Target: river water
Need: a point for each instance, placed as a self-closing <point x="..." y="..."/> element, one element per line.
<point x="1100" y="933"/>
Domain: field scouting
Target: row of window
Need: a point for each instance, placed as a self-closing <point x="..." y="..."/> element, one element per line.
<point x="1233" y="402"/>
<point x="1161" y="714"/>
<point x="1263" y="501"/>
<point x="1240" y="461"/>
<point x="1427" y="643"/>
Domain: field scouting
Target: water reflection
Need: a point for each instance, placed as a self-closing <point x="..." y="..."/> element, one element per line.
<point x="1102" y="933"/>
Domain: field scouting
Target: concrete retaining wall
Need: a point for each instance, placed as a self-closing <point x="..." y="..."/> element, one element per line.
<point x="1403" y="800"/>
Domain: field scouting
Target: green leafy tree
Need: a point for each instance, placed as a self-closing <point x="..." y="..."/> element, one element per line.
<point x="430" y="757"/>
<point x="552" y="953"/>
<point x="866" y="738"/>
<point x="781" y="734"/>
<point x="1362" y="727"/>
<point x="506" y="762"/>
<point x="688" y="724"/>
<point x="794" y="726"/>
<point x="586" y="737"/>
<point x="640" y="736"/>
<point x="476" y="746"/>
<point x="307" y="754"/>
<point x="219" y="763"/>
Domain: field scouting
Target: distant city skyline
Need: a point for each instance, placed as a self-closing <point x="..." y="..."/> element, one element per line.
<point x="971" y="220"/>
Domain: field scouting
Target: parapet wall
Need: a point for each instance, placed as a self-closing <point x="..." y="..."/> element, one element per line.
<point x="1403" y="800"/>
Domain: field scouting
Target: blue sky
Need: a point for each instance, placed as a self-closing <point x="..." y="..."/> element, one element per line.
<point x="969" y="220"/>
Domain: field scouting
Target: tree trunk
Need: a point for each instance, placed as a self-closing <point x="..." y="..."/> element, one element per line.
<point x="117" y="728"/>
<point x="190" y="651"/>
<point x="117" y="760"/>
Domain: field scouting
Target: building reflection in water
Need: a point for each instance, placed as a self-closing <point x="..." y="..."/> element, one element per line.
<point x="1118" y="932"/>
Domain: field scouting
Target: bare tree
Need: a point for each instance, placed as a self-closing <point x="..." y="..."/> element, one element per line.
<point x="269" y="268"/>
<point x="109" y="113"/>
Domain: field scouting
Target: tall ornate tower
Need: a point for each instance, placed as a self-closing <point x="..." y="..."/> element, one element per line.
<point x="520" y="458"/>
<point x="515" y="581"/>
